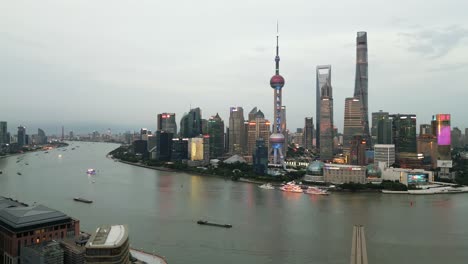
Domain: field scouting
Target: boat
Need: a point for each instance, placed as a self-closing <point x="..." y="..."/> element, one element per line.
<point x="19" y="173"/>
<point x="267" y="186"/>
<point x="83" y="200"/>
<point x="1" y="172"/>
<point x="315" y="190"/>
<point x="291" y="187"/>
<point x="91" y="171"/>
<point x="204" y="222"/>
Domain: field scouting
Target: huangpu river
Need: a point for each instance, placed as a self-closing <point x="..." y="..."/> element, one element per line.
<point x="269" y="226"/>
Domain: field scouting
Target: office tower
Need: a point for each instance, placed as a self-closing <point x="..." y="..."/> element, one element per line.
<point x="352" y="122"/>
<point x="360" y="88"/>
<point x="179" y="149"/>
<point x="427" y="146"/>
<point x="71" y="135"/>
<point x="260" y="157"/>
<point x="21" y="224"/>
<point x="204" y="125"/>
<point x="257" y="128"/>
<point x="167" y="122"/>
<point x="236" y="130"/>
<point x="144" y="132"/>
<point x="163" y="145"/>
<point x="277" y="139"/>
<point x="191" y="124"/>
<point x="457" y="140"/>
<point x="21" y="136"/>
<point x="252" y="113"/>
<point x="326" y="128"/>
<point x="216" y="136"/>
<point x="4" y="133"/>
<point x="384" y="153"/>
<point x="308" y="133"/>
<point x="357" y="150"/>
<point x="404" y="139"/>
<point x="323" y="76"/>
<point x="108" y="244"/>
<point x="441" y="130"/>
<point x="199" y="149"/>
<point x="48" y="252"/>
<point x="63" y="133"/>
<point x="425" y="129"/>
<point x="151" y="145"/>
<point x="41" y="137"/>
<point x="381" y="128"/>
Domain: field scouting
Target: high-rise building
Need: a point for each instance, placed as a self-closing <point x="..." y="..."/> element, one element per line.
<point x="381" y="128"/>
<point x="167" y="122"/>
<point x="404" y="139"/>
<point x="466" y="136"/>
<point x="384" y="153"/>
<point x="260" y="157"/>
<point x="352" y="122"/>
<point x="425" y="129"/>
<point x="323" y="76"/>
<point x="41" y="137"/>
<point x="257" y="128"/>
<point x="308" y="133"/>
<point x="357" y="151"/>
<point x="144" y="132"/>
<point x="21" y="136"/>
<point x="4" y="133"/>
<point x="180" y="149"/>
<point x="204" y="125"/>
<point x="199" y="150"/>
<point x="361" y="81"/>
<point x="163" y="145"/>
<point x="108" y="244"/>
<point x="441" y="130"/>
<point x="191" y="124"/>
<point x="216" y="136"/>
<point x="277" y="138"/>
<point x="236" y="130"/>
<point x="326" y="128"/>
<point x="457" y="140"/>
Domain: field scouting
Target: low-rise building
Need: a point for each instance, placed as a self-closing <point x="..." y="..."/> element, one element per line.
<point x="408" y="176"/>
<point x="109" y="244"/>
<point x="338" y="174"/>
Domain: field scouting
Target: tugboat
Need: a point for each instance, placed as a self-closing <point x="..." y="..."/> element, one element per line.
<point x="79" y="199"/>
<point x="204" y="222"/>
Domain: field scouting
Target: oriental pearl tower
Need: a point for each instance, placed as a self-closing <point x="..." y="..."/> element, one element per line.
<point x="277" y="138"/>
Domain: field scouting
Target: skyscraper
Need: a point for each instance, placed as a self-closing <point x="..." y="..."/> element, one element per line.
<point x="326" y="123"/>
<point x="260" y="157"/>
<point x="308" y="133"/>
<point x="425" y="129"/>
<point x="236" y="130"/>
<point x="216" y="133"/>
<point x="257" y="128"/>
<point x="361" y="81"/>
<point x="21" y="136"/>
<point x="441" y="130"/>
<point x="163" y="145"/>
<point x="404" y="133"/>
<point x="352" y="123"/>
<point x="323" y="75"/>
<point x="191" y="124"/>
<point x="167" y="122"/>
<point x="41" y="137"/>
<point x="381" y="128"/>
<point x="4" y="133"/>
<point x="277" y="139"/>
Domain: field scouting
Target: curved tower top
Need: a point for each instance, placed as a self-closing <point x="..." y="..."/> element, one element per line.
<point x="277" y="81"/>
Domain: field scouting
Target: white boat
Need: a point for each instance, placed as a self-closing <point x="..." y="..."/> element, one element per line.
<point x="291" y="187"/>
<point x="91" y="171"/>
<point x="315" y="190"/>
<point x="267" y="186"/>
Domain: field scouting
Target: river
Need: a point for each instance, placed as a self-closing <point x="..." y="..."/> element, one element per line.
<point x="269" y="226"/>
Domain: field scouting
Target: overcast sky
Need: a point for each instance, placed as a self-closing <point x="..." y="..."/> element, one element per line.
<point x="118" y="63"/>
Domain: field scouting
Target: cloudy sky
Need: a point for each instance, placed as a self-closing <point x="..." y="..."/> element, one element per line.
<point x="112" y="63"/>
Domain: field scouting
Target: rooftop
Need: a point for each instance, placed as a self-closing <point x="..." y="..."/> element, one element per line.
<point x="18" y="215"/>
<point x="108" y="236"/>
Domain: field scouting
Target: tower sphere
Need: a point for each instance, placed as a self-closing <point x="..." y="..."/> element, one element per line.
<point x="277" y="138"/>
<point x="277" y="81"/>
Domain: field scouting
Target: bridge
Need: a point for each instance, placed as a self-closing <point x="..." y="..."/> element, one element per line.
<point x="358" y="246"/>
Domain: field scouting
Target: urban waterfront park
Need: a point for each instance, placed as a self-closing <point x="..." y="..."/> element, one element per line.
<point x="269" y="226"/>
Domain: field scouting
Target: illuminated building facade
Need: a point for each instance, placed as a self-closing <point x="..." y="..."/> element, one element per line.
<point x="277" y="138"/>
<point x="236" y="130"/>
<point x="352" y="122"/>
<point x="361" y="81"/>
<point x="308" y="133"/>
<point x="257" y="128"/>
<point x="216" y="133"/>
<point x="323" y="76"/>
<point x="326" y="128"/>
<point x="442" y="131"/>
<point x="22" y="225"/>
<point x="167" y="122"/>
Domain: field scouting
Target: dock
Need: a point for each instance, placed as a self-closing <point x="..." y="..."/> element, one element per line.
<point x="358" y="246"/>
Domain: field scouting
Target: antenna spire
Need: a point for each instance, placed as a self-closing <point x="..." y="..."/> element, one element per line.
<point x="277" y="58"/>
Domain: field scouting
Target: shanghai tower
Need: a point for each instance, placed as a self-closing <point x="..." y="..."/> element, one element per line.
<point x="360" y="87"/>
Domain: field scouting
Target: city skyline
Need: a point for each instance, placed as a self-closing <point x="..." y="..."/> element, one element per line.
<point x="41" y="59"/>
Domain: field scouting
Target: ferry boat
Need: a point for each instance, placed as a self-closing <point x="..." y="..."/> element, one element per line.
<point x="291" y="187"/>
<point x="315" y="190"/>
<point x="91" y="171"/>
<point x="267" y="186"/>
<point x="204" y="222"/>
<point x="79" y="199"/>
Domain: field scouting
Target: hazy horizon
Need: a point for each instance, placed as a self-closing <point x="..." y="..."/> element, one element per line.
<point x="118" y="64"/>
